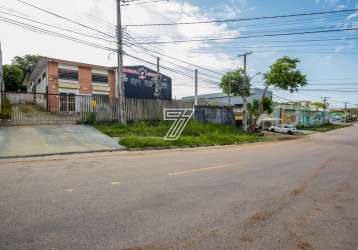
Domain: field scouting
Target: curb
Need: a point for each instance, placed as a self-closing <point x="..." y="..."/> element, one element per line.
<point x="62" y="153"/>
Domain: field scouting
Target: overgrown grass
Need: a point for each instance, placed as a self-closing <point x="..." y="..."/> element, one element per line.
<point x="326" y="127"/>
<point x="151" y="134"/>
<point x="5" y="111"/>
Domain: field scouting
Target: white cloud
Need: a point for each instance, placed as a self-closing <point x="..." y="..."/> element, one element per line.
<point x="92" y="13"/>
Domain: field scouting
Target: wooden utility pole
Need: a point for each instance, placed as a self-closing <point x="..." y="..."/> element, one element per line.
<point x="120" y="75"/>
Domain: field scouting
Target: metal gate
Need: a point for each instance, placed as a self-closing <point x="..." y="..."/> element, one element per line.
<point x="51" y="109"/>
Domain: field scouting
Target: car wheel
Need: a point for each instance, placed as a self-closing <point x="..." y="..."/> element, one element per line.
<point x="272" y="130"/>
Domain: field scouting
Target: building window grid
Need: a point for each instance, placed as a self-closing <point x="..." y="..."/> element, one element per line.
<point x="99" y="78"/>
<point x="68" y="74"/>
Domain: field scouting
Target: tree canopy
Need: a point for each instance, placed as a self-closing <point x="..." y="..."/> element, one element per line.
<point x="320" y="105"/>
<point x="283" y="74"/>
<point x="15" y="73"/>
<point x="236" y="83"/>
<point x="13" y="77"/>
<point x="26" y="62"/>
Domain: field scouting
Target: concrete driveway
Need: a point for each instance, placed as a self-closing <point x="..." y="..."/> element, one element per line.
<point x="59" y="139"/>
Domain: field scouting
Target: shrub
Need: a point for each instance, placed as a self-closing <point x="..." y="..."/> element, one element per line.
<point x="89" y="118"/>
<point x="5" y="112"/>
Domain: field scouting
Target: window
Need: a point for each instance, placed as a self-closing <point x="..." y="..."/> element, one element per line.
<point x="68" y="74"/>
<point x="99" y="78"/>
<point x="67" y="102"/>
<point x="44" y="75"/>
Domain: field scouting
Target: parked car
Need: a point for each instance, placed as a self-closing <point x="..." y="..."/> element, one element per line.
<point x="284" y="128"/>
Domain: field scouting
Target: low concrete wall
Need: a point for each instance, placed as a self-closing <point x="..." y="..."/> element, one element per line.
<point x="217" y="115"/>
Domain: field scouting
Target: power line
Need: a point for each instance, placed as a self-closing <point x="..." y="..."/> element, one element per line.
<point x="254" y="36"/>
<point x="77" y="40"/>
<point x="65" y="18"/>
<point x="178" y="59"/>
<point x="55" y="26"/>
<point x="243" y="19"/>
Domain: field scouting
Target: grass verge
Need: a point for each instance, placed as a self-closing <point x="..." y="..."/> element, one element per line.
<point x="326" y="127"/>
<point x="151" y="134"/>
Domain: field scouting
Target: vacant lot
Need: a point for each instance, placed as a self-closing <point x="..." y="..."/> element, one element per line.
<point x="151" y="134"/>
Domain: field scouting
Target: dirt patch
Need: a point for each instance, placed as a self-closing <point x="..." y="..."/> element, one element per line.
<point x="304" y="245"/>
<point x="247" y="238"/>
<point x="317" y="209"/>
<point x="298" y="191"/>
<point x="259" y="217"/>
<point x="144" y="248"/>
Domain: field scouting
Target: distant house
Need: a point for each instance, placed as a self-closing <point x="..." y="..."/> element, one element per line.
<point x="222" y="99"/>
<point x="62" y="80"/>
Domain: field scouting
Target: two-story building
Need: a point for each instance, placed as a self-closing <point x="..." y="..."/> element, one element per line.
<point x="59" y="84"/>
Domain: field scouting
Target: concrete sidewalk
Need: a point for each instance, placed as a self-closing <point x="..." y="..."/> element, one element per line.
<point x="59" y="139"/>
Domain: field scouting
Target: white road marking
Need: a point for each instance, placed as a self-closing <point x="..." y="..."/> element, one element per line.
<point x="208" y="168"/>
<point x="115" y="183"/>
<point x="69" y="190"/>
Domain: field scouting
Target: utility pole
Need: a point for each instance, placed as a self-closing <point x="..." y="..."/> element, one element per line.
<point x="244" y="123"/>
<point x="229" y="93"/>
<point x="245" y="59"/>
<point x="157" y="80"/>
<point x="345" y="112"/>
<point x="120" y="75"/>
<point x="325" y="101"/>
<point x="196" y="88"/>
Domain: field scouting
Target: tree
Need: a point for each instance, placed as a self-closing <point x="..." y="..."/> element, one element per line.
<point x="13" y="77"/>
<point x="254" y="110"/>
<point x="26" y="63"/>
<point x="283" y="74"/>
<point x="237" y="83"/>
<point x="320" y="105"/>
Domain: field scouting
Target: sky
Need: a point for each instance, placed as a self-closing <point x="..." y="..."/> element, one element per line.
<point x="329" y="59"/>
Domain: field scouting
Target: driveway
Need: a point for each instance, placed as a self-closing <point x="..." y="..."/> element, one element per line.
<point x="43" y="140"/>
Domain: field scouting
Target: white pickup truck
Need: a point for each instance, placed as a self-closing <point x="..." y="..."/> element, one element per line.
<point x="284" y="128"/>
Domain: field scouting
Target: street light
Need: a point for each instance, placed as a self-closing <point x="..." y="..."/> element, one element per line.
<point x="257" y="74"/>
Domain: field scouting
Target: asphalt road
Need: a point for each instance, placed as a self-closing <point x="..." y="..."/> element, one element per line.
<point x="299" y="194"/>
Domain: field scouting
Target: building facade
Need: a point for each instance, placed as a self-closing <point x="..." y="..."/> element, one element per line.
<point x="221" y="99"/>
<point x="60" y="84"/>
<point x="63" y="80"/>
